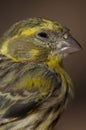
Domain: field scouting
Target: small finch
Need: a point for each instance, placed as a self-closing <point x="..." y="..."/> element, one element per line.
<point x="34" y="86"/>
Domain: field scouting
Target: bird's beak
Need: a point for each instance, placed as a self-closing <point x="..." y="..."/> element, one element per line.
<point x="69" y="45"/>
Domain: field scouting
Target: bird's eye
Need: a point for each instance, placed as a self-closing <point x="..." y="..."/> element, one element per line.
<point x="42" y="35"/>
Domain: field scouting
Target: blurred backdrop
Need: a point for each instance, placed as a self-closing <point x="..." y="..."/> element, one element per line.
<point x="72" y="14"/>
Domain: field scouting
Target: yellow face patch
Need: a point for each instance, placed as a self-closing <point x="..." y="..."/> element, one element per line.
<point x="4" y="48"/>
<point x="29" y="31"/>
<point x="34" y="52"/>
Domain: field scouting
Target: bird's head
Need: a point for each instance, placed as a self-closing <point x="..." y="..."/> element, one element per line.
<point x="37" y="39"/>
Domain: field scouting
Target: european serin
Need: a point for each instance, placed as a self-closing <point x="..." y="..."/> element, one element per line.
<point x="34" y="86"/>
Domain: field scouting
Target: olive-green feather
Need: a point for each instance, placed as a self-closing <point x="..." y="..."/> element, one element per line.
<point x="34" y="86"/>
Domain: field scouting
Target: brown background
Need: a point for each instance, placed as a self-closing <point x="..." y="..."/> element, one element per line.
<point x="73" y="15"/>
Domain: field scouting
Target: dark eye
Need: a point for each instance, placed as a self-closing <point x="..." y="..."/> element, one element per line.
<point x="43" y="35"/>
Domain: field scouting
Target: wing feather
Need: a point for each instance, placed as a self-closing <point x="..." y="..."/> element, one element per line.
<point x="23" y="88"/>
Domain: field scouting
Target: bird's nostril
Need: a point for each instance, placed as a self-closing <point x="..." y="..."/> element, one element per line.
<point x="65" y="36"/>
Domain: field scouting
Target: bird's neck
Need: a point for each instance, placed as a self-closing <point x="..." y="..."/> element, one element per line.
<point x="55" y="63"/>
<point x="53" y="60"/>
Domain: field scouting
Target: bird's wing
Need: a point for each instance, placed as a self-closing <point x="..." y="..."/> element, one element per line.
<point x="22" y="88"/>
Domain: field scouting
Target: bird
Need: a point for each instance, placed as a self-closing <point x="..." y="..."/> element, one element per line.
<point x="35" y="87"/>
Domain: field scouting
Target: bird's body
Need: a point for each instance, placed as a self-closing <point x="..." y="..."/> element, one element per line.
<point x="34" y="86"/>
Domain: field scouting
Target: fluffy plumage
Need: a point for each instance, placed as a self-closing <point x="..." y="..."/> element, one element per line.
<point x="34" y="86"/>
